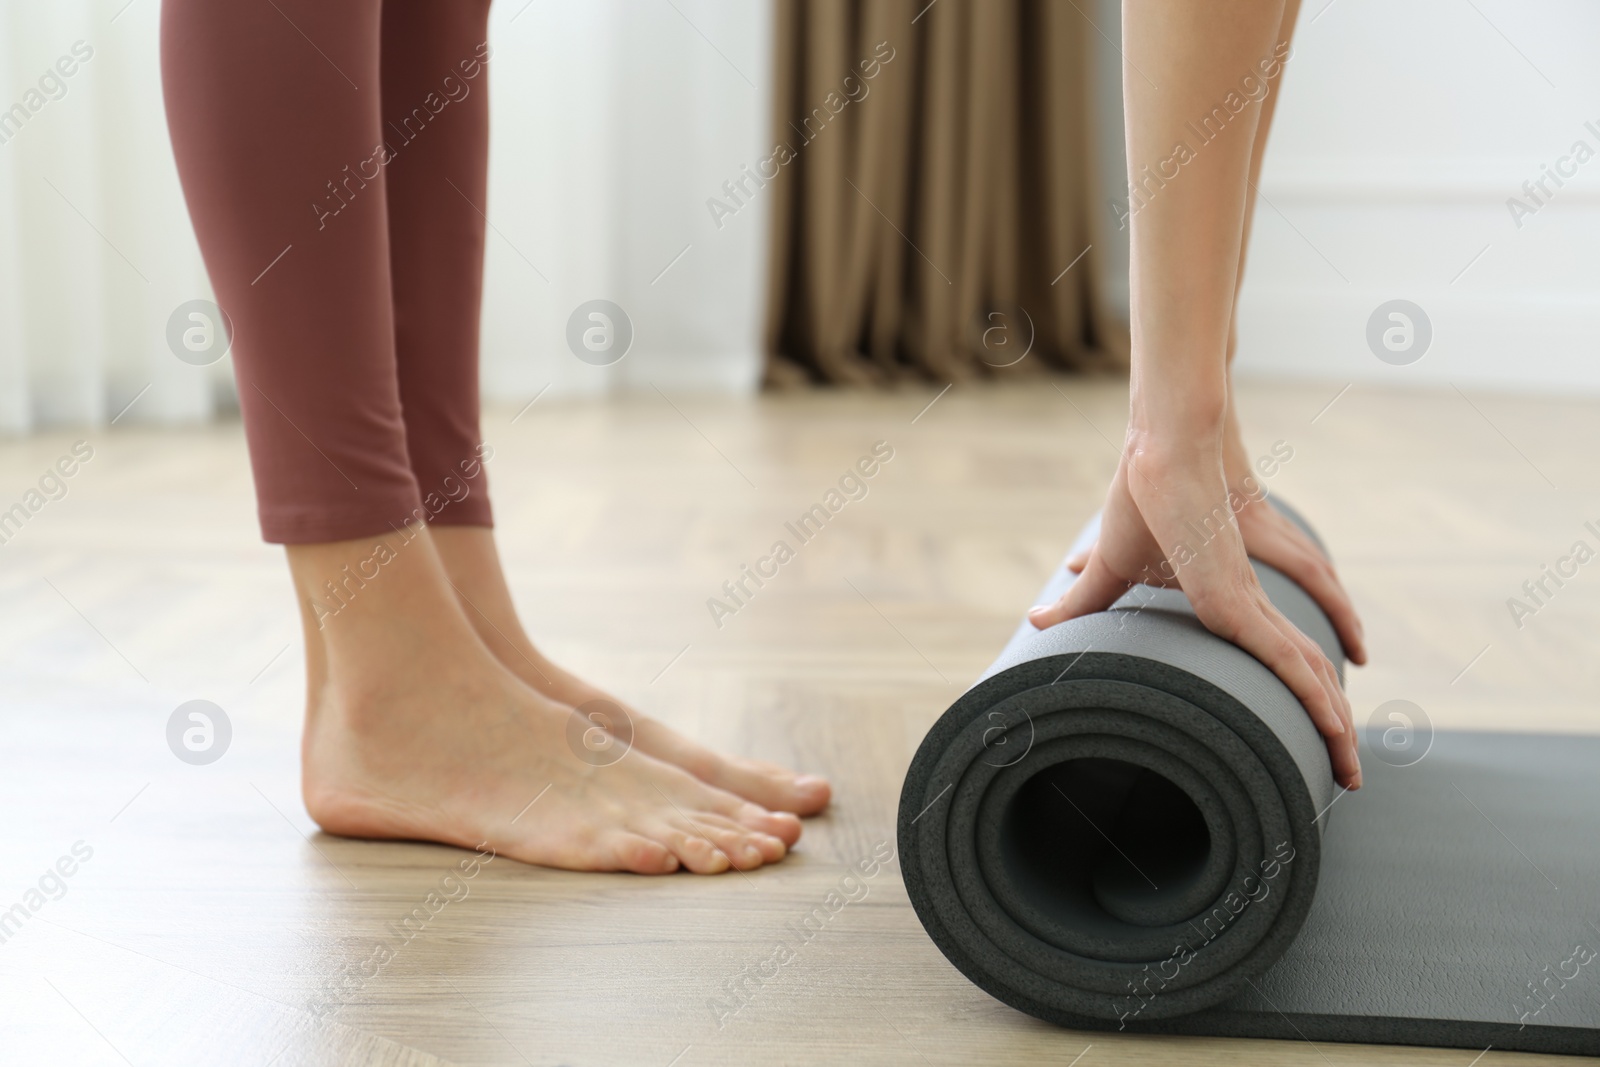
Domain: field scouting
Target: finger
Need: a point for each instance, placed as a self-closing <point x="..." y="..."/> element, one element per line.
<point x="1324" y="668"/>
<point x="1343" y="752"/>
<point x="1349" y="768"/>
<point x="1251" y="626"/>
<point x="1344" y="756"/>
<point x="1321" y="580"/>
<point x="1252" y="623"/>
<point x="1344" y="761"/>
<point x="1316" y="576"/>
<point x="1096" y="589"/>
<point x="1311" y="652"/>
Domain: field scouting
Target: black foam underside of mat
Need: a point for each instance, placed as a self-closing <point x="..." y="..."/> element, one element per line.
<point x="1452" y="901"/>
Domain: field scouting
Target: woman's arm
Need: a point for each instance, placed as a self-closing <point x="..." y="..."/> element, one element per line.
<point x="1168" y="517"/>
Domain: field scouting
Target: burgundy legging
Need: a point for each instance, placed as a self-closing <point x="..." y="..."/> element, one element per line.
<point x="334" y="154"/>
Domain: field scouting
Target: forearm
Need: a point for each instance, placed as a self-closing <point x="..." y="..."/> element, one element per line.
<point x="1188" y="203"/>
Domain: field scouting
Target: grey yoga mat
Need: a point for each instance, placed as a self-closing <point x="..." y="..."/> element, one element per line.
<point x="1129" y="823"/>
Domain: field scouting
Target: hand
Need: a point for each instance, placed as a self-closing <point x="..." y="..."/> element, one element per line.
<point x="1168" y="522"/>
<point x="1272" y="538"/>
<point x="1269" y="536"/>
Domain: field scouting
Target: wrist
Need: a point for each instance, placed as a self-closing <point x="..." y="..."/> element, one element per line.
<point x="1188" y="423"/>
<point x="1179" y="407"/>
<point x="1235" y="460"/>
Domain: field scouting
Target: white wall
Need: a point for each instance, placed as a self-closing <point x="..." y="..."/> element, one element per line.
<point x="614" y="120"/>
<point x="1402" y="130"/>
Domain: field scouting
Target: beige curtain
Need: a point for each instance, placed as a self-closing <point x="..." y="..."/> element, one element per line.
<point x="931" y="187"/>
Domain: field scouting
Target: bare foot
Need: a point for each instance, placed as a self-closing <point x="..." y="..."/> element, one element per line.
<point x="473" y="564"/>
<point x="417" y="732"/>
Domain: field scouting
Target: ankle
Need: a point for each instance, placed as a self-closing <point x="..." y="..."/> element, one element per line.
<point x="379" y="590"/>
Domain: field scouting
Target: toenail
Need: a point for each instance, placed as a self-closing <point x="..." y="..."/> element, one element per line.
<point x="809" y="783"/>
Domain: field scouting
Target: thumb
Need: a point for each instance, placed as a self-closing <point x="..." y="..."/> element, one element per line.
<point x="1096" y="589"/>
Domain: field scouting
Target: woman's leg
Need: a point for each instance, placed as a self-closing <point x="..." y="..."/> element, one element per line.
<point x="413" y="729"/>
<point x="271" y="138"/>
<point x="436" y="114"/>
<point x="436" y="186"/>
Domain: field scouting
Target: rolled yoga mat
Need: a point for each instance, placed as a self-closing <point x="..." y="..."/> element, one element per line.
<point x="1130" y="823"/>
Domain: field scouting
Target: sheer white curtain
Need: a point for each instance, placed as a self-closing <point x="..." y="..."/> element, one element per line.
<point x="95" y="246"/>
<point x="614" y="121"/>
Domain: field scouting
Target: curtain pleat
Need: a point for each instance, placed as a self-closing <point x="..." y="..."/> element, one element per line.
<point x="934" y="184"/>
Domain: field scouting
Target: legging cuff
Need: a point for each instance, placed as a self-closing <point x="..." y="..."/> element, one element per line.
<point x="320" y="524"/>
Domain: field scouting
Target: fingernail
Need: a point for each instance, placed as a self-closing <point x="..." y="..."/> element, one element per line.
<point x="1338" y="727"/>
<point x="809" y="784"/>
